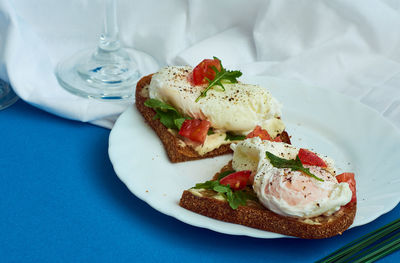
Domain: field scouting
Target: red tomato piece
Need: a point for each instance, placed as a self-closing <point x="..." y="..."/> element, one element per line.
<point x="348" y="178"/>
<point x="310" y="158"/>
<point x="237" y="180"/>
<point x="195" y="130"/>
<point x="204" y="70"/>
<point x="259" y="132"/>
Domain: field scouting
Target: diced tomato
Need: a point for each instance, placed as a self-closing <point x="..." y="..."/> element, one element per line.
<point x="204" y="70"/>
<point x="259" y="132"/>
<point x="195" y="130"/>
<point x="237" y="180"/>
<point x="263" y="134"/>
<point x="310" y="158"/>
<point x="348" y="178"/>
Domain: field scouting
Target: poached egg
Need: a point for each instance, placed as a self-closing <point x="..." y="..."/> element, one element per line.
<point x="285" y="191"/>
<point x="238" y="109"/>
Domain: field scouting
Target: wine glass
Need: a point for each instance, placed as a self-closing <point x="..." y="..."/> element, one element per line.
<point x="107" y="73"/>
<point x="7" y="95"/>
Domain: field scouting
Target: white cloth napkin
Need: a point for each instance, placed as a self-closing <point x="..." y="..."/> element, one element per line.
<point x="352" y="47"/>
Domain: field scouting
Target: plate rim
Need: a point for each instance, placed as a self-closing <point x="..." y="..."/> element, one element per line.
<point x="212" y="227"/>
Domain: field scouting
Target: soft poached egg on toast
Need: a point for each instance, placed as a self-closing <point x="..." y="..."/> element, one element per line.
<point x="289" y="192"/>
<point x="238" y="109"/>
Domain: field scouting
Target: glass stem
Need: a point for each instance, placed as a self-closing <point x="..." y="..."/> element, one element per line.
<point x="109" y="40"/>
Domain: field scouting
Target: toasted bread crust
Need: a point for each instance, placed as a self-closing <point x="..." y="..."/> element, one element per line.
<point x="259" y="217"/>
<point x="175" y="151"/>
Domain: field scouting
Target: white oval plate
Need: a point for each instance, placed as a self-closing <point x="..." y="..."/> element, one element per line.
<point x="355" y="136"/>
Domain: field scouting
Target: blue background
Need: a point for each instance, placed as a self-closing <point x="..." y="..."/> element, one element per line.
<point x="61" y="201"/>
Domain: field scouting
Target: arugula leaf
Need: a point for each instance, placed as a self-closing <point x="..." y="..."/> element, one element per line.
<point x="234" y="198"/>
<point x="292" y="164"/>
<point x="250" y="195"/>
<point x="167" y="114"/>
<point x="158" y="104"/>
<point x="234" y="137"/>
<point x="178" y="122"/>
<point x="206" y="185"/>
<point x="167" y="118"/>
<point x="222" y="75"/>
<point x="222" y="188"/>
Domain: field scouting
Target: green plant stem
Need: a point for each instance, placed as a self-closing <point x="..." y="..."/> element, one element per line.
<point x="377" y="249"/>
<point x="362" y="242"/>
<point x="384" y="253"/>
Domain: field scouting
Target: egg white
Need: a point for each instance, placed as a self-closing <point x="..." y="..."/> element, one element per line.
<point x="287" y="192"/>
<point x="238" y="109"/>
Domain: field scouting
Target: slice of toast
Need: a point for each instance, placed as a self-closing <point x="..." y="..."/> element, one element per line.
<point x="255" y="215"/>
<point x="176" y="150"/>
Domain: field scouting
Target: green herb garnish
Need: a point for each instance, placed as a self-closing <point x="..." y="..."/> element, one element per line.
<point x="207" y="185"/>
<point x="210" y="131"/>
<point x="167" y="114"/>
<point x="220" y="76"/>
<point x="234" y="137"/>
<point x="370" y="247"/>
<point x="178" y="122"/>
<point x="234" y="198"/>
<point x="292" y="164"/>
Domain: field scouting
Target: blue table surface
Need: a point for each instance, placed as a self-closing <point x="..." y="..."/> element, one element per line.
<point x="61" y="201"/>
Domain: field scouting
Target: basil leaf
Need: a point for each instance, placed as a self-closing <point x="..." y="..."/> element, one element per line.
<point x="234" y="137"/>
<point x="307" y="171"/>
<point x="295" y="164"/>
<point x="283" y="163"/>
<point x="210" y="131"/>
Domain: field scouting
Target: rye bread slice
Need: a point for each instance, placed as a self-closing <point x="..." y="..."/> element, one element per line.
<point x="176" y="151"/>
<point x="255" y="215"/>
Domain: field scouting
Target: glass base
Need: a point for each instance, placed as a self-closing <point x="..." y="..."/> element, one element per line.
<point x="7" y="95"/>
<point x="106" y="75"/>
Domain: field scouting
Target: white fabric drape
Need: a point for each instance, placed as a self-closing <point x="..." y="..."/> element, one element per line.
<point x="352" y="47"/>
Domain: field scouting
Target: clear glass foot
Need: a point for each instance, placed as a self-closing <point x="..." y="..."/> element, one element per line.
<point x="108" y="73"/>
<point x="100" y="75"/>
